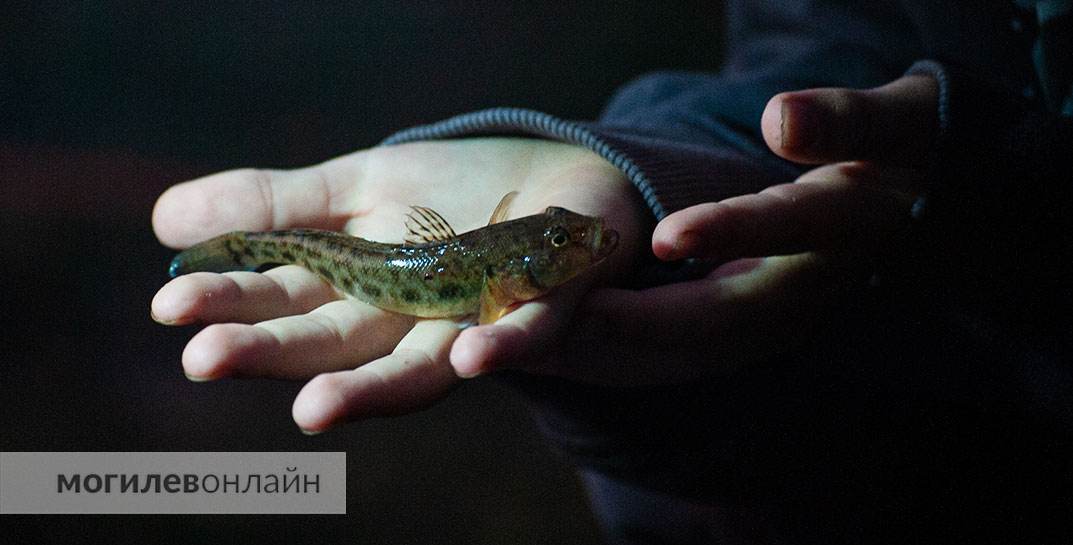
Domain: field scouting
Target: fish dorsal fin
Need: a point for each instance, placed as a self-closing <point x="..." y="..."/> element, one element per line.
<point x="500" y="213"/>
<point x="426" y="225"/>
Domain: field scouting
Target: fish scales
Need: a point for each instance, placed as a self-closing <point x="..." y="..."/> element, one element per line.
<point x="443" y="275"/>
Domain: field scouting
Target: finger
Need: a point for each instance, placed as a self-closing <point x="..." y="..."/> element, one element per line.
<point x="894" y="124"/>
<point x="243" y="297"/>
<point x="257" y="200"/>
<point x="412" y="377"/>
<point x="650" y="336"/>
<point x="638" y="337"/>
<point x="515" y="340"/>
<point x="682" y="308"/>
<point x="833" y="206"/>
<point x="338" y="335"/>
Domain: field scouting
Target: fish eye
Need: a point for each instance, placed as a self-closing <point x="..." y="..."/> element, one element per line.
<point x="560" y="238"/>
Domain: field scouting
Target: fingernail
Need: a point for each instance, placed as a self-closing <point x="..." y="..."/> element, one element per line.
<point x="685" y="244"/>
<point x="193" y="378"/>
<point x="310" y="432"/>
<point x="798" y="124"/>
<point x="475" y="371"/>
<point x="158" y="319"/>
<point x="181" y="320"/>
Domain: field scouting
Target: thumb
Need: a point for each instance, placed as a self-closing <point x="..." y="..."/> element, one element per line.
<point x="892" y="124"/>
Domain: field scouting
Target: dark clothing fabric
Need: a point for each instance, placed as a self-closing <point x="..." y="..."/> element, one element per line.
<point x="937" y="406"/>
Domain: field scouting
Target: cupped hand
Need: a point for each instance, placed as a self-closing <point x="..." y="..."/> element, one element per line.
<point x="289" y="323"/>
<point x="788" y="254"/>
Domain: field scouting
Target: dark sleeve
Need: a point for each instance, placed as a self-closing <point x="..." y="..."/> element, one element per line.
<point x="687" y="138"/>
<point x="683" y="139"/>
<point x="996" y="235"/>
<point x="995" y="225"/>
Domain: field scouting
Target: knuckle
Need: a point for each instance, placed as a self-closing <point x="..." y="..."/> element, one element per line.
<point x="329" y="327"/>
<point x="258" y="184"/>
<point x="327" y="384"/>
<point x="412" y="357"/>
<point x="262" y="180"/>
<point x="860" y="127"/>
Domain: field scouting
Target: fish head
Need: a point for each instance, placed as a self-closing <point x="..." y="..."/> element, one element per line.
<point x="569" y="244"/>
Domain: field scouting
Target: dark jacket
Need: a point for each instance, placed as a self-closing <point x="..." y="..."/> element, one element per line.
<point x="938" y="404"/>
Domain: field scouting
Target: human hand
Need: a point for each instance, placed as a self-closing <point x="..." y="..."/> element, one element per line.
<point x="289" y="323"/>
<point x="788" y="253"/>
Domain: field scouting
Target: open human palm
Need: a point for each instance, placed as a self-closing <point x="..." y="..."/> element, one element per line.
<point x="786" y="255"/>
<point x="363" y="361"/>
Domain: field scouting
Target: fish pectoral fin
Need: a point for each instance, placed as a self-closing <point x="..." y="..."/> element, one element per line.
<point x="494" y="302"/>
<point x="426" y="225"/>
<point x="503" y="208"/>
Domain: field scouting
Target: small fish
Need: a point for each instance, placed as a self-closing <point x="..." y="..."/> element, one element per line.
<point x="436" y="273"/>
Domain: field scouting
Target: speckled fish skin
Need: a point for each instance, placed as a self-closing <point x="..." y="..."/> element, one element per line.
<point x="496" y="265"/>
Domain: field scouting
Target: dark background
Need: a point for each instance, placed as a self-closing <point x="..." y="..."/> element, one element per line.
<point x="103" y="105"/>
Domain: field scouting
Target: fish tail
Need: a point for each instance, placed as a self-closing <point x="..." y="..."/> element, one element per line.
<point x="230" y="252"/>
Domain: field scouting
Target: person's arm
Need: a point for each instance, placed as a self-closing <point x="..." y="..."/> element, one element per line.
<point x="288" y="315"/>
<point x="687" y="138"/>
<point x="995" y="172"/>
<point x="684" y="139"/>
<point x="662" y="113"/>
